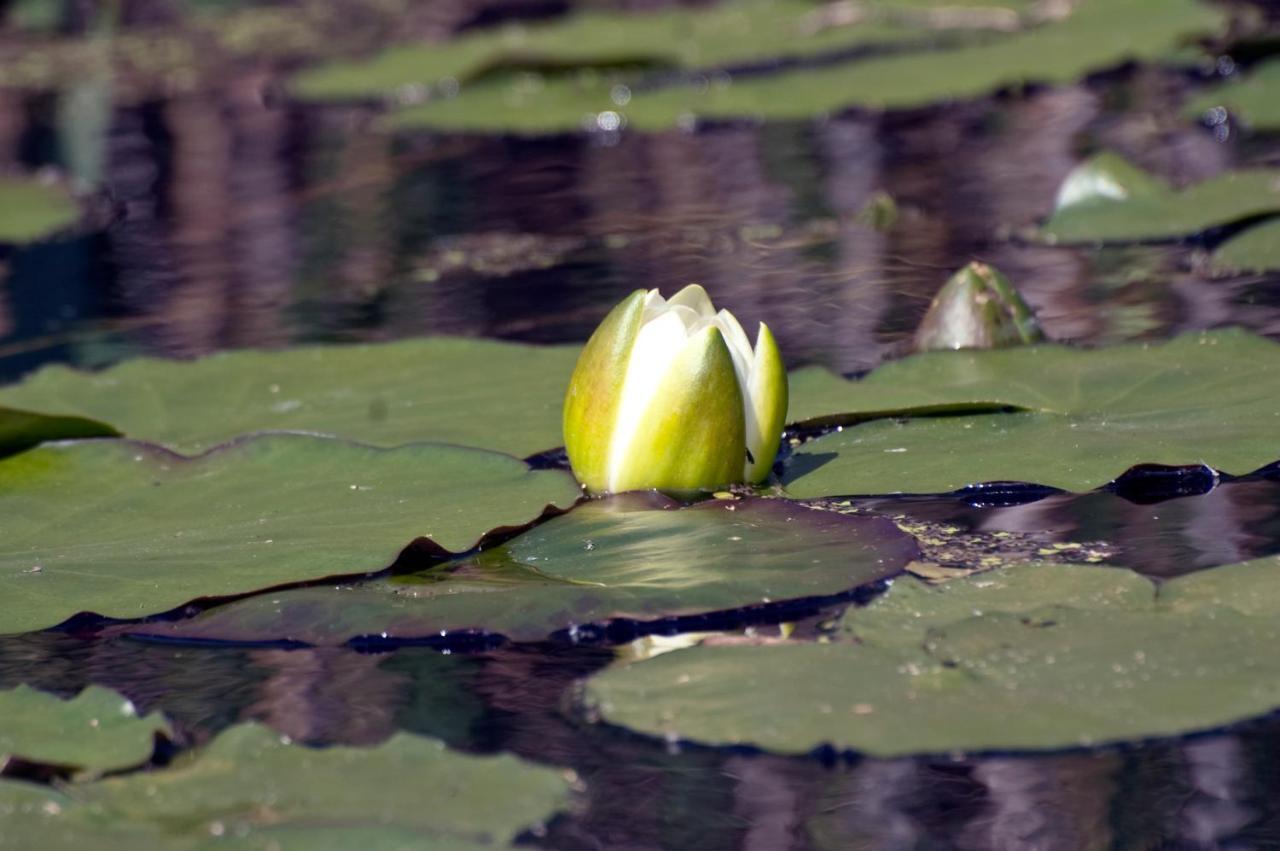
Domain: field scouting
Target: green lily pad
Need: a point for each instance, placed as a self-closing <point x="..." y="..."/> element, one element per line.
<point x="96" y="731"/>
<point x="1257" y="249"/>
<point x="31" y="210"/>
<point x="731" y="32"/>
<point x="904" y="617"/>
<point x="126" y="530"/>
<point x="632" y="558"/>
<point x="1110" y="661"/>
<point x="481" y="393"/>
<point x="1250" y="588"/>
<point x="249" y="789"/>
<point x="1108" y="200"/>
<point x="1206" y="398"/>
<point x="1096" y="35"/>
<point x="1253" y="98"/>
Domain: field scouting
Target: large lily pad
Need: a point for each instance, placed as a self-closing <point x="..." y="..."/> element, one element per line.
<point x="1257" y="249"/>
<point x="96" y="731"/>
<point x="1097" y="34"/>
<point x="623" y="558"/>
<point x="1108" y="662"/>
<point x="125" y="530"/>
<point x="248" y="789"/>
<point x="1253" y="98"/>
<point x="498" y="396"/>
<point x="1085" y="416"/>
<point x="30" y="210"/>
<point x="732" y="32"/>
<point x="1108" y="200"/>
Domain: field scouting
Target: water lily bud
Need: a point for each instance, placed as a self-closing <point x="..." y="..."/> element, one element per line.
<point x="977" y="309"/>
<point x="670" y="394"/>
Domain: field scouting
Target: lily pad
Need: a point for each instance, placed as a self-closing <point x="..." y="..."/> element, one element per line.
<point x="1250" y="588"/>
<point x="732" y="32"/>
<point x="1108" y="200"/>
<point x="249" y="789"/>
<point x="1253" y="98"/>
<point x="1096" y="35"/>
<point x="126" y="530"/>
<point x="31" y="210"/>
<point x="904" y="617"/>
<point x="97" y="731"/>
<point x="1201" y="399"/>
<point x="493" y="395"/>
<point x="1110" y="661"/>
<point x="633" y="558"/>
<point x="1257" y="249"/>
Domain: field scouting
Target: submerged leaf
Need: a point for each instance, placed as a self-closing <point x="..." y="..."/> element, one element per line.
<point x="126" y="530"/>
<point x="628" y="557"/>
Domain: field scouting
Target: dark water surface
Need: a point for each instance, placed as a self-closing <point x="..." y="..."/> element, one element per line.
<point x="226" y="217"/>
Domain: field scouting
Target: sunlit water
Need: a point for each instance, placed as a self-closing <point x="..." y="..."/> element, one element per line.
<point x="223" y="222"/>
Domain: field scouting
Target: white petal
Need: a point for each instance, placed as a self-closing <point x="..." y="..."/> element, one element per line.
<point x="739" y="344"/>
<point x="695" y="297"/>
<point x="692" y="321"/>
<point x="656" y="346"/>
<point x="744" y="365"/>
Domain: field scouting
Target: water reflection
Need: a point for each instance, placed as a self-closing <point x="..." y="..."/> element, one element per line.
<point x="1211" y="791"/>
<point x="235" y="220"/>
<point x="1235" y="521"/>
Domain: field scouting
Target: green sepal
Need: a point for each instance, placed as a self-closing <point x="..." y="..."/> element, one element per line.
<point x="691" y="436"/>
<point x="977" y="309"/>
<point x="769" y="394"/>
<point x="595" y="392"/>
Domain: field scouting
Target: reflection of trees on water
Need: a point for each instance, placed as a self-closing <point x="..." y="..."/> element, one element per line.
<point x="242" y="220"/>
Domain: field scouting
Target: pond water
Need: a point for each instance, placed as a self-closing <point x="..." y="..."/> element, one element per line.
<point x="227" y="216"/>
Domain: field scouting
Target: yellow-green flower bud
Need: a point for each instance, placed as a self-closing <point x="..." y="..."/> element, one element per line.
<point x="977" y="309"/>
<point x="671" y="395"/>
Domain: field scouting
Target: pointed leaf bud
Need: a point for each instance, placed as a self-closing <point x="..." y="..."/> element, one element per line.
<point x="977" y="309"/>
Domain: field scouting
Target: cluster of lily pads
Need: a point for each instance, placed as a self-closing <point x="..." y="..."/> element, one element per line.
<point x="412" y="493"/>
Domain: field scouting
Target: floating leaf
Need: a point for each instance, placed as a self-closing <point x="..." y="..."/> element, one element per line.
<point x="482" y="393"/>
<point x="1257" y="249"/>
<point x="126" y="530"/>
<point x="96" y="731"/>
<point x="626" y="557"/>
<point x="735" y="31"/>
<point x="31" y="210"/>
<point x="904" y="617"/>
<point x="1250" y="588"/>
<point x="1210" y="398"/>
<point x="1109" y="662"/>
<point x="1098" y="34"/>
<point x="1107" y="200"/>
<point x="248" y="789"/>
<point x="1253" y="98"/>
